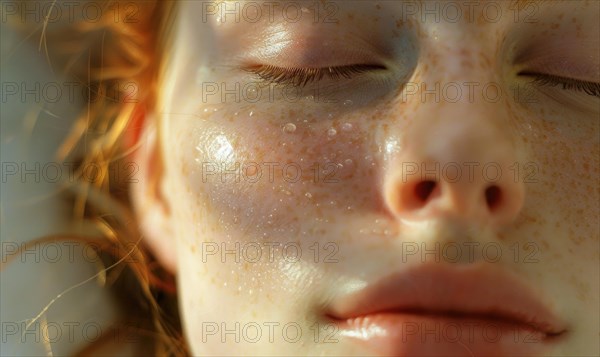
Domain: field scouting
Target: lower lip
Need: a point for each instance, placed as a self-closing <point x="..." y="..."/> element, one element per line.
<point x="400" y="334"/>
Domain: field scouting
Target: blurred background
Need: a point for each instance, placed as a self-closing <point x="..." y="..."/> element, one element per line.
<point x="50" y="302"/>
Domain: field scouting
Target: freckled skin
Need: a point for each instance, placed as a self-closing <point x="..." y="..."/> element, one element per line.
<point x="349" y="192"/>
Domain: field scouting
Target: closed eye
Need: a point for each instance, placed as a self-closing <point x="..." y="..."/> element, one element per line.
<point x="300" y="77"/>
<point x="540" y="79"/>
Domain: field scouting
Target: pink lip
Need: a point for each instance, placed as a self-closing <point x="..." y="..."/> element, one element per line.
<point x="437" y="310"/>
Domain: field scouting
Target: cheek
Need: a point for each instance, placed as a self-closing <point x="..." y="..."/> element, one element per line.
<point x="562" y="188"/>
<point x="571" y="165"/>
<point x="574" y="189"/>
<point x="265" y="175"/>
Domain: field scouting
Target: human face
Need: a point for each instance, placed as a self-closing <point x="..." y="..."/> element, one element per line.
<point x="434" y="194"/>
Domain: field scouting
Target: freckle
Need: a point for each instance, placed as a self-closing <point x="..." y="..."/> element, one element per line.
<point x="378" y="7"/>
<point x="554" y="26"/>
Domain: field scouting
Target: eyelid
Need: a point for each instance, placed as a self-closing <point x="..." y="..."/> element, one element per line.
<point x="581" y="68"/>
<point x="300" y="77"/>
<point x="542" y="79"/>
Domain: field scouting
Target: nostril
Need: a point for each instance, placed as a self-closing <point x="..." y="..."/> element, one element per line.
<point x="423" y="190"/>
<point x="493" y="196"/>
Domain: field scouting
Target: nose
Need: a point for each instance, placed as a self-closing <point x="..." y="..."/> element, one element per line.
<point x="460" y="165"/>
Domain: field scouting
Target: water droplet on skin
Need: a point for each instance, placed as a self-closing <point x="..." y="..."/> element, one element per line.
<point x="331" y="132"/>
<point x="308" y="195"/>
<point x="251" y="113"/>
<point x="289" y="128"/>
<point x="348" y="162"/>
<point x="348" y="103"/>
<point x="347" y="127"/>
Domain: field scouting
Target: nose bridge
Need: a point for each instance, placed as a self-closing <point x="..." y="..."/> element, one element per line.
<point x="458" y="67"/>
<point x="460" y="131"/>
<point x="460" y="116"/>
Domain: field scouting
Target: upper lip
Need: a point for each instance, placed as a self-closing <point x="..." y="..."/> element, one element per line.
<point x="441" y="290"/>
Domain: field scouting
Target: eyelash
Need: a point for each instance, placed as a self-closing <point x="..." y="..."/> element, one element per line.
<point x="590" y="88"/>
<point x="300" y="77"/>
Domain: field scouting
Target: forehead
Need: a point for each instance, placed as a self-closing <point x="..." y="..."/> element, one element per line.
<point x="253" y="12"/>
<point x="247" y="19"/>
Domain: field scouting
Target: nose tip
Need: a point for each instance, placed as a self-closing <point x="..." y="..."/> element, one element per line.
<point x="423" y="193"/>
<point x="456" y="161"/>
